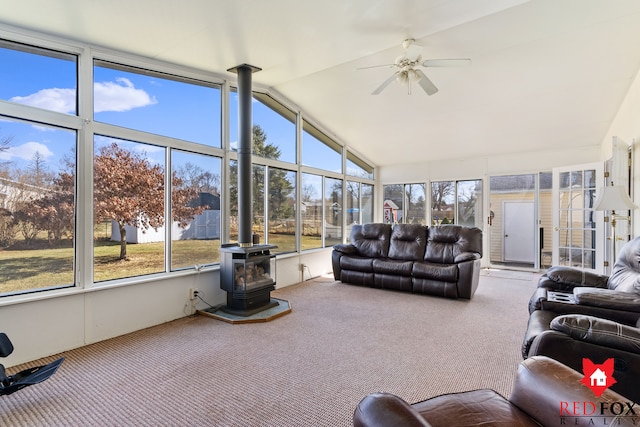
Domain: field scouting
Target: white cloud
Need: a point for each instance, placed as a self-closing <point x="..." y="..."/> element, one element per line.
<point x="26" y="151"/>
<point x="55" y="99"/>
<point x="120" y="95"/>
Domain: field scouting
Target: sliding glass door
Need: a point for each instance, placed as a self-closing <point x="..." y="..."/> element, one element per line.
<point x="520" y="220"/>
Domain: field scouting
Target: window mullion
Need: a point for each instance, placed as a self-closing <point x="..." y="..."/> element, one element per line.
<point x="84" y="175"/>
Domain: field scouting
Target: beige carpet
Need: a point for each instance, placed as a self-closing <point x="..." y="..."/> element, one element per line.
<point x="308" y="368"/>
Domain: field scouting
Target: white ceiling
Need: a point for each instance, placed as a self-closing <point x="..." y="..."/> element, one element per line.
<point x="544" y="74"/>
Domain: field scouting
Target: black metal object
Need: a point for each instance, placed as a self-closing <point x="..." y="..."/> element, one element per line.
<point x="245" y="273"/>
<point x="12" y="383"/>
<point x="245" y="268"/>
<point x="245" y="124"/>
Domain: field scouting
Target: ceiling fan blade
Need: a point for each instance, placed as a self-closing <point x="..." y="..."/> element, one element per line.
<point x="426" y="84"/>
<point x="375" y="66"/>
<point x="459" y="62"/>
<point x="384" y="84"/>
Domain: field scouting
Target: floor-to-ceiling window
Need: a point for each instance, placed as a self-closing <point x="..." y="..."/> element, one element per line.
<point x="38" y="168"/>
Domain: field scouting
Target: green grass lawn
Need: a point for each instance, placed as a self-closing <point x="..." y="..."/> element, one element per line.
<point x="30" y="269"/>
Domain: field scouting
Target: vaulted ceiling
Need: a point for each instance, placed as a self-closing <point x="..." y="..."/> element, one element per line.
<point x="544" y="74"/>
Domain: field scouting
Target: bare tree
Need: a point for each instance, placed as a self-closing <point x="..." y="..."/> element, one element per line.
<point x="5" y="144"/>
<point x="38" y="170"/>
<point x="440" y="190"/>
<point x="196" y="177"/>
<point x="129" y="190"/>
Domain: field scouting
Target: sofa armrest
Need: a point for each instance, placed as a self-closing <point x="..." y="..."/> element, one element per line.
<point x="466" y="256"/>
<point x="542" y="384"/>
<point x="535" y="302"/>
<point x="572" y="277"/>
<point x="386" y="410"/>
<point x="550" y="285"/>
<point x="606" y="298"/>
<point x="598" y="331"/>
<point x="345" y="248"/>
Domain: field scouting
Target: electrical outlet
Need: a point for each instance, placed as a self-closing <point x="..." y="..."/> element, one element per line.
<point x="193" y="293"/>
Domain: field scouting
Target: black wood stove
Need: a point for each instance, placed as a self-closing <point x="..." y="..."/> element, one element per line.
<point x="245" y="273"/>
<point x="245" y="268"/>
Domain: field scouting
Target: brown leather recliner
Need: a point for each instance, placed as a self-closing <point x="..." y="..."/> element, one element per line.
<point x="545" y="393"/>
<point x="570" y="338"/>
<point x="599" y="320"/>
<point x="615" y="297"/>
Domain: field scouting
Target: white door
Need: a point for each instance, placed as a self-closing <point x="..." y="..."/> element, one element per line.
<point x="578" y="236"/>
<point x="519" y="231"/>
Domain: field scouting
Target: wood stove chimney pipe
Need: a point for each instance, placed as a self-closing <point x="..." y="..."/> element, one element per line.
<point x="245" y="133"/>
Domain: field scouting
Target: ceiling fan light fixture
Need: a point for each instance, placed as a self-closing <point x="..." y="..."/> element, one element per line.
<point x="407" y="42"/>
<point x="407" y="68"/>
<point x="403" y="77"/>
<point x="413" y="75"/>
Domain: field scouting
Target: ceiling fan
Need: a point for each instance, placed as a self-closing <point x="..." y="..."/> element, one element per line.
<point x="408" y="72"/>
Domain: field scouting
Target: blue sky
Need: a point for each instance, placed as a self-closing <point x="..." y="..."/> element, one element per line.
<point x="143" y="102"/>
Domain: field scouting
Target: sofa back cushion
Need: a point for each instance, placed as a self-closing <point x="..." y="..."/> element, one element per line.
<point x="408" y="242"/>
<point x="371" y="240"/>
<point x="446" y="242"/>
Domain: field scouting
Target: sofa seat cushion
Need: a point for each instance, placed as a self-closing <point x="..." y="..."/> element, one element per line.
<point x="439" y="272"/>
<point x="356" y="263"/>
<point x="392" y="266"/>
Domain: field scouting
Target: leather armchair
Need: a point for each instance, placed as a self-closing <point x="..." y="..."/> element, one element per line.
<point x="615" y="297"/>
<point x="571" y="337"/>
<point x="540" y="388"/>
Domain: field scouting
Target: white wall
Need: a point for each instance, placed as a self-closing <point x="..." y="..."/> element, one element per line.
<point x="626" y="126"/>
<point x="482" y="167"/>
<point x="47" y="323"/>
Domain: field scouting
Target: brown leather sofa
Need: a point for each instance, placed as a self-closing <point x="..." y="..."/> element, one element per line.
<point x="545" y="393"/>
<point x="440" y="260"/>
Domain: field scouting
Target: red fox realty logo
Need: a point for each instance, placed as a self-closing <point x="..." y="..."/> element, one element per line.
<point x="598" y="377"/>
